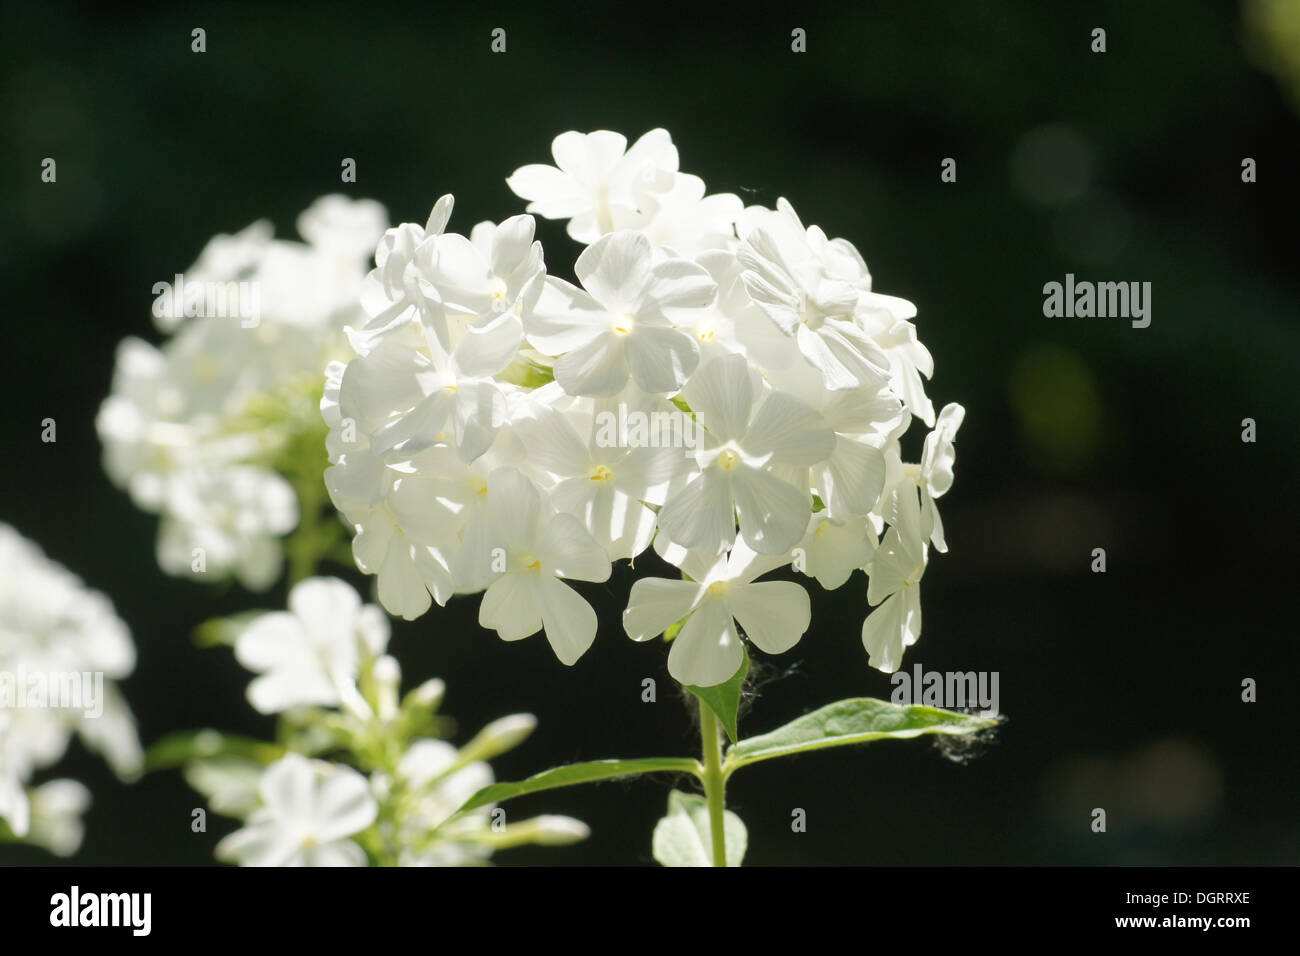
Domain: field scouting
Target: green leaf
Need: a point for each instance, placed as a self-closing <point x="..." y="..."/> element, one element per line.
<point x="576" y="773"/>
<point x="857" y="720"/>
<point x="724" y="699"/>
<point x="684" y="837"/>
<point x="180" y="748"/>
<point x="217" y="631"/>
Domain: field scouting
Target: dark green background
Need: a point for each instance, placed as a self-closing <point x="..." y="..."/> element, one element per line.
<point x="1123" y="689"/>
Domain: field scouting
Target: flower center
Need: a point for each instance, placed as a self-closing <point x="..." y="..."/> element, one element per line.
<point x="601" y="473"/>
<point x="624" y="324"/>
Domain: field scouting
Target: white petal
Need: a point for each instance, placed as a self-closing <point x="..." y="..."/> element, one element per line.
<point x="852" y="480"/>
<point x="678" y="290"/>
<point x="882" y="635"/>
<point x="839" y="369"/>
<point x="334" y="854"/>
<point x="554" y="194"/>
<point x="773" y="514"/>
<point x="516" y="506"/>
<point x="707" y="650"/>
<point x="489" y="345"/>
<point x="511" y="244"/>
<point x="480" y="412"/>
<point x="571" y="551"/>
<point x="569" y="621"/>
<point x="344" y="804"/>
<point x="564" y="318"/>
<point x="384" y="383"/>
<point x="792" y="432"/>
<point x="661" y="359"/>
<point x="701" y="516"/>
<point x="287" y="786"/>
<point x="655" y="604"/>
<point x="774" y="614"/>
<point x="553" y="444"/>
<point x="597" y="368"/>
<point x="721" y="394"/>
<point x="511" y="606"/>
<point x="326" y="606"/>
<point x="588" y="157"/>
<point x="615" y="269"/>
<point x="401" y="586"/>
<point x="270" y="639"/>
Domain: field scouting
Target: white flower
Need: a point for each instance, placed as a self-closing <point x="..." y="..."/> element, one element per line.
<point x="748" y="444"/>
<point x="194" y="429"/>
<point x="908" y="358"/>
<point x="537" y="552"/>
<point x="412" y="398"/>
<point x="851" y="480"/>
<point x="348" y="228"/>
<point x="498" y="269"/>
<point x="707" y="650"/>
<point x="234" y="518"/>
<point x="306" y="654"/>
<point x="440" y="787"/>
<point x="936" y="470"/>
<point x="601" y="476"/>
<point x="789" y="281"/>
<point x="597" y="179"/>
<point x="56" y="811"/>
<point x="683" y="219"/>
<point x="309" y="810"/>
<point x="795" y="378"/>
<point x="52" y="626"/>
<point x="395" y="293"/>
<point x="835" y="549"/>
<point x="895" y="578"/>
<point x="624" y="322"/>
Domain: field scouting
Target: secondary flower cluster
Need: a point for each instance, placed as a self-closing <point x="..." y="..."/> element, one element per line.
<point x="364" y="778"/>
<point x="196" y="430"/>
<point x="722" y="384"/>
<point x="59" y="641"/>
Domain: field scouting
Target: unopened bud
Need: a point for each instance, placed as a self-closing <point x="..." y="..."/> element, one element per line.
<point x="553" y="830"/>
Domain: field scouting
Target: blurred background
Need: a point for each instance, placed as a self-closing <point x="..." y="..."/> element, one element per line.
<point x="1123" y="689"/>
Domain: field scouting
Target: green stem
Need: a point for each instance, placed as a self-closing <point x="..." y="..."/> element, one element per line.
<point x="715" y="784"/>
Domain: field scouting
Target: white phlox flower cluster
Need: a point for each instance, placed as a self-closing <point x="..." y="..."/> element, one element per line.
<point x="722" y="384"/>
<point x="192" y="429"/>
<point x="61" y="648"/>
<point x="322" y="665"/>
